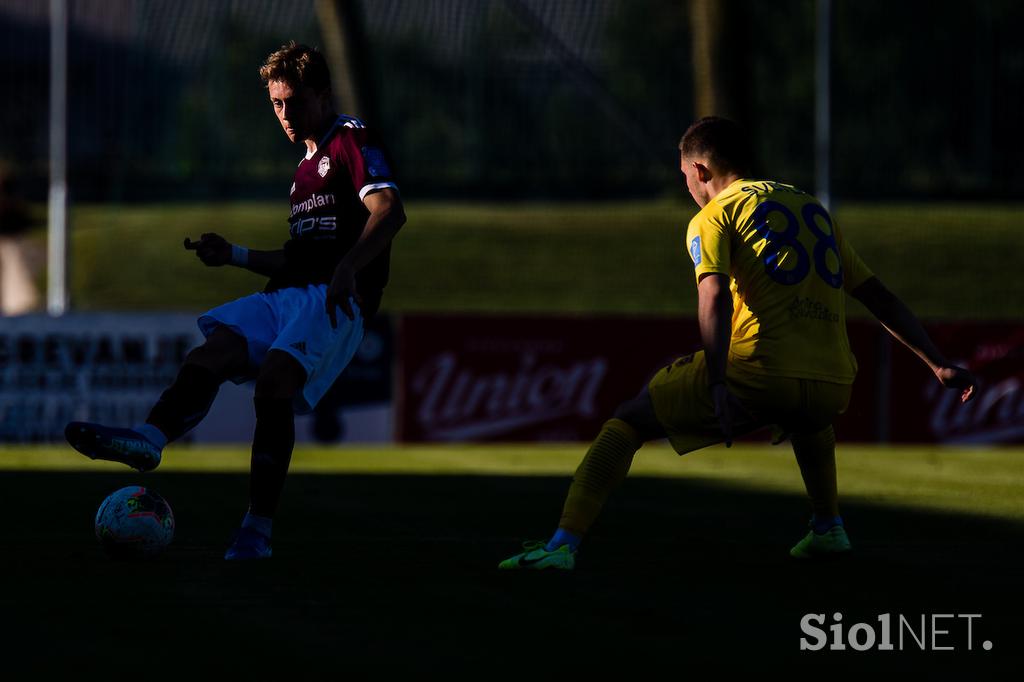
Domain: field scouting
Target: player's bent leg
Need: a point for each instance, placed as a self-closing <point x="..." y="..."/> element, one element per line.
<point x="179" y="409"/>
<point x="603" y="469"/>
<point x="187" y="401"/>
<point x="281" y="378"/>
<point x="815" y="454"/>
<point x="607" y="462"/>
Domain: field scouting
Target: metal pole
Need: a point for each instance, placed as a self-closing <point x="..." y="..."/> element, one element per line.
<point x="822" y="96"/>
<point x="57" y="238"/>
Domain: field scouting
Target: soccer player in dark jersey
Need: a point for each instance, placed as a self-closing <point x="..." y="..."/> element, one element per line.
<point x="297" y="336"/>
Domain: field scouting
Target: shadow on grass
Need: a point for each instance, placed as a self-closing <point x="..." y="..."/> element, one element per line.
<point x="396" y="575"/>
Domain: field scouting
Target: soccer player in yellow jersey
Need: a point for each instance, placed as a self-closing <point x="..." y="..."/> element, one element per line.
<point x="772" y="271"/>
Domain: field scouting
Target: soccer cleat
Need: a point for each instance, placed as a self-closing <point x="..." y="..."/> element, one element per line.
<point x="537" y="558"/>
<point x="248" y="543"/>
<point x="831" y="543"/>
<point x="96" y="441"/>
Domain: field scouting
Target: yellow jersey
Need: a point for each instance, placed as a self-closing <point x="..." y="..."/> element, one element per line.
<point x="789" y="268"/>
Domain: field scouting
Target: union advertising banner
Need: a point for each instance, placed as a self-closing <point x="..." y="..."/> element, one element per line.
<point x="111" y="368"/>
<point x="542" y="378"/>
<point x="526" y="378"/>
<point x="477" y="378"/>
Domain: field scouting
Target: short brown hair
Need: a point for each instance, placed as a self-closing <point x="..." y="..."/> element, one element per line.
<point x="721" y="141"/>
<point x="297" y="65"/>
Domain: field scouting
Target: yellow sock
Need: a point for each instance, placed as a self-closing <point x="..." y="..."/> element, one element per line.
<point x="816" y="455"/>
<point x="602" y="470"/>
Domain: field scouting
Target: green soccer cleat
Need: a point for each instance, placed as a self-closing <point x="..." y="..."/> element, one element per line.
<point x="537" y="558"/>
<point x="831" y="543"/>
<point x="97" y="441"/>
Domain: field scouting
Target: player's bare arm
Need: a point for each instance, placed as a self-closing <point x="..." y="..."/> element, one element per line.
<point x="213" y="250"/>
<point x="899" y="321"/>
<point x="387" y="215"/>
<point x="714" y="315"/>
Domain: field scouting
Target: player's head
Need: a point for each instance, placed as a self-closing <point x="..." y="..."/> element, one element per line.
<point x="299" y="84"/>
<point x="712" y="148"/>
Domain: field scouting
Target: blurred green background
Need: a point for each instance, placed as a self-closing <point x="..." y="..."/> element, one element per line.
<point x="624" y="257"/>
<point x="534" y="142"/>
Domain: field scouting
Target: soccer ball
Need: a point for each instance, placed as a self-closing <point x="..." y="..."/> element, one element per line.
<point x="134" y="522"/>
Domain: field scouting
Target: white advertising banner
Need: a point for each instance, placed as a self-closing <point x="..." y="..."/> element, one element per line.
<point x="112" y="367"/>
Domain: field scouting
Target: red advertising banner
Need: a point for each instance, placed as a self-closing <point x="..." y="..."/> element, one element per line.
<point x="466" y="378"/>
<point x="526" y="378"/>
<point x="922" y="411"/>
<point x="471" y="378"/>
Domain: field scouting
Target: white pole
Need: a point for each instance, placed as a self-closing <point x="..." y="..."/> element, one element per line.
<point x="822" y="96"/>
<point x="57" y="238"/>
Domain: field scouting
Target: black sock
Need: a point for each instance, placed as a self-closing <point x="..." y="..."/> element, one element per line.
<point x="184" y="404"/>
<point x="271" y="453"/>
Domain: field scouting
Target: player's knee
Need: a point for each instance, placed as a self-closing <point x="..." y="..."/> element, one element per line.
<point x="625" y="411"/>
<point x="639" y="414"/>
<point x="224" y="353"/>
<point x="281" y="376"/>
<point x="273" y="385"/>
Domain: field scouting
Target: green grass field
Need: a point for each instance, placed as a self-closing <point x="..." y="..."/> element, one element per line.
<point x="985" y="481"/>
<point x="946" y="260"/>
<point x="385" y="557"/>
<point x="384" y="566"/>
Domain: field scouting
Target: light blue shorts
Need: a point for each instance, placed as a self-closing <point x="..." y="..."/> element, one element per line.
<point x="295" y="321"/>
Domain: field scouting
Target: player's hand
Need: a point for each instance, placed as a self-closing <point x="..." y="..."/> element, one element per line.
<point x="211" y="248"/>
<point x="341" y="289"/>
<point x="728" y="410"/>
<point x="958" y="378"/>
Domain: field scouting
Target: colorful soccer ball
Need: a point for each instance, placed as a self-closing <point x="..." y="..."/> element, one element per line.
<point x="134" y="522"/>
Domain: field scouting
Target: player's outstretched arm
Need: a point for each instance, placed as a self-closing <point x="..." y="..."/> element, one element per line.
<point x="267" y="263"/>
<point x="215" y="251"/>
<point x="899" y="321"/>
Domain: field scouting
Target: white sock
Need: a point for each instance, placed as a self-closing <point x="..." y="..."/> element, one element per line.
<point x="260" y="524"/>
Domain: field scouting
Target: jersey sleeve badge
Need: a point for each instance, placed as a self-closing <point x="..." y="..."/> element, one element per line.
<point x="324" y="166"/>
<point x="695" y="251"/>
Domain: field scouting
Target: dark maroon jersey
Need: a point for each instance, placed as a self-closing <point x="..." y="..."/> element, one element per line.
<point x="328" y="213"/>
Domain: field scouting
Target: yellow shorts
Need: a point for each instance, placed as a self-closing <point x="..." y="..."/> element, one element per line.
<point x="682" y="402"/>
